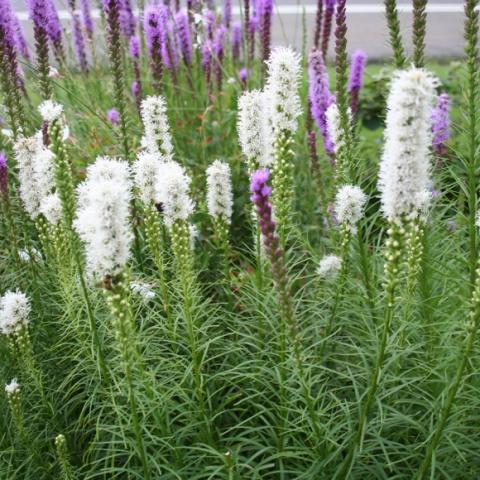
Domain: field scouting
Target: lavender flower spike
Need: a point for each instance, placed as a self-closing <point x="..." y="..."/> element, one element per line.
<point x="113" y="116"/>
<point x="265" y="12"/>
<point x="236" y="39"/>
<point x="134" y="47"/>
<point x="327" y="25"/>
<point x="441" y="124"/>
<point x="3" y="177"/>
<point x="87" y="17"/>
<point x="79" y="42"/>
<point x="183" y="36"/>
<point x="20" y="41"/>
<point x="227" y="13"/>
<point x="359" y="59"/>
<point x="320" y="96"/>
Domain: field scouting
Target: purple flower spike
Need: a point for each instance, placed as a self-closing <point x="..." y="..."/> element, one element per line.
<point x="127" y="19"/>
<point x="38" y="12"/>
<point x="54" y="28"/>
<point x="209" y="21"/>
<point x="113" y="116"/>
<point x="227" y="13"/>
<point x="3" y="176"/>
<point x="243" y="74"/>
<point x="266" y="12"/>
<point x="20" y="41"/>
<point x="359" y="59"/>
<point x="441" y="124"/>
<point x="236" y="39"/>
<point x="87" y="17"/>
<point x="327" y="25"/>
<point x="183" y="36"/>
<point x="135" y="88"/>
<point x="134" y="47"/>
<point x="218" y="48"/>
<point x="319" y="96"/>
<point x="79" y="42"/>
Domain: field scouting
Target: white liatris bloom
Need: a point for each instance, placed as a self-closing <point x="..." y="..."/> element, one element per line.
<point x="103" y="222"/>
<point x="333" y="125"/>
<point x="51" y="208"/>
<point x="25" y="256"/>
<point x="250" y="125"/>
<point x="36" y="173"/>
<point x="219" y="191"/>
<point x="50" y="110"/>
<point x="173" y="193"/>
<point x="12" y="388"/>
<point x="405" y="166"/>
<point x="145" y="171"/>
<point x="349" y="206"/>
<point x="157" y="138"/>
<point x="284" y="69"/>
<point x="268" y="132"/>
<point x="329" y="267"/>
<point x="14" y="312"/>
<point x="142" y="289"/>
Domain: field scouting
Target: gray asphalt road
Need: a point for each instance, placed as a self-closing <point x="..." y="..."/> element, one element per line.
<point x="366" y="25"/>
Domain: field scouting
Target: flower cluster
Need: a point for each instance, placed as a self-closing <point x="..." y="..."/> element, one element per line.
<point x="157" y="138"/>
<point x="441" y="123"/>
<point x="219" y="191"/>
<point x="329" y="267"/>
<point x="50" y="110"/>
<point x="349" y="206"/>
<point x="36" y="169"/>
<point x="14" y="312"/>
<point x="102" y="220"/>
<point x="284" y="67"/>
<point x="405" y="166"/>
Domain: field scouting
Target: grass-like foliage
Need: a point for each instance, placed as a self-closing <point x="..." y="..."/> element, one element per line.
<point x="217" y="262"/>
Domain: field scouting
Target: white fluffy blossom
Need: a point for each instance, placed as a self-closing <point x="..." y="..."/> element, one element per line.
<point x="12" y="388"/>
<point x="36" y="173"/>
<point x="349" y="205"/>
<point x="329" y="266"/>
<point x="219" y="191"/>
<point x="250" y="125"/>
<point x="142" y="289"/>
<point x="284" y="69"/>
<point x="157" y="138"/>
<point x="50" y="110"/>
<point x="333" y="125"/>
<point x="173" y="191"/>
<point x="14" y="311"/>
<point x="25" y="256"/>
<point x="51" y="208"/>
<point x="193" y="230"/>
<point x="145" y="171"/>
<point x="103" y="219"/>
<point x="405" y="166"/>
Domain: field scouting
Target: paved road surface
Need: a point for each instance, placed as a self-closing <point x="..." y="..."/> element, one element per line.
<point x="366" y="24"/>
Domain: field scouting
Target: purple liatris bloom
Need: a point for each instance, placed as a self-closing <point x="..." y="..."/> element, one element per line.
<point x="327" y="25"/>
<point x="227" y="12"/>
<point x="3" y="176"/>
<point x="38" y="12"/>
<point x="243" y="75"/>
<point x="135" y="88"/>
<point x="87" y="17"/>
<point x="218" y="49"/>
<point x="441" y="123"/>
<point x="113" y="116"/>
<point x="209" y="21"/>
<point x="20" y="41"/>
<point x="265" y="13"/>
<point x="154" y="38"/>
<point x="79" y="42"/>
<point x="319" y="96"/>
<point x="54" y="29"/>
<point x="127" y="19"/>
<point x="236" y="39"/>
<point x="183" y="36"/>
<point x="355" y="84"/>
<point x="134" y="47"/>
